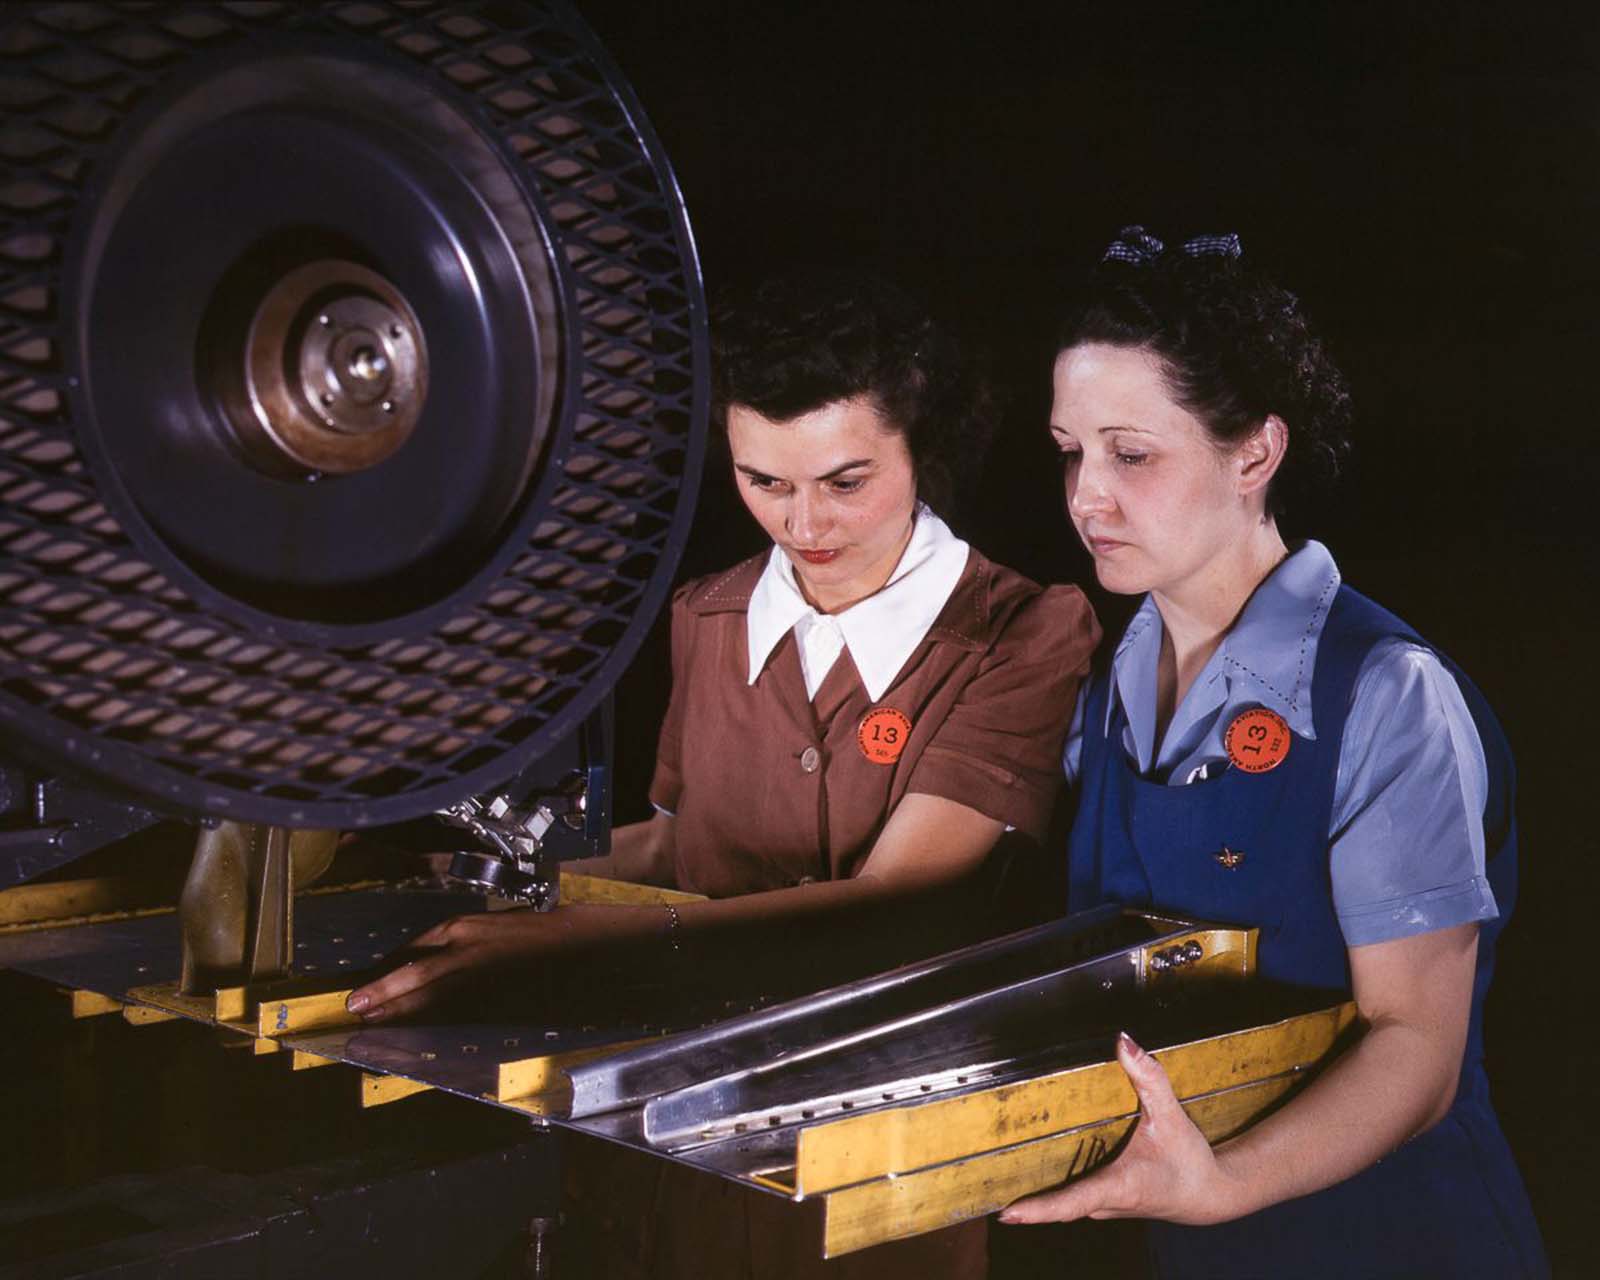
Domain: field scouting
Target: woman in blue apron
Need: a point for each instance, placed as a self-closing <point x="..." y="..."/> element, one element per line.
<point x="1269" y="747"/>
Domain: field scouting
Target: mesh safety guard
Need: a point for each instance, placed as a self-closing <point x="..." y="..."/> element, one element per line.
<point x="125" y="659"/>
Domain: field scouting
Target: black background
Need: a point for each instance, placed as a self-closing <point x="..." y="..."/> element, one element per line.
<point x="1426" y="176"/>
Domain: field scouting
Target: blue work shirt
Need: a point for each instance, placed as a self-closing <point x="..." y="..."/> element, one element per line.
<point x="1406" y="850"/>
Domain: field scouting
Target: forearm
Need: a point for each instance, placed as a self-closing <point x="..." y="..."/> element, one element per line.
<point x="641" y="853"/>
<point x="1391" y="1085"/>
<point x="816" y="934"/>
<point x="1396" y="1081"/>
<point x="708" y="921"/>
<point x="908" y="902"/>
<point x="778" y="943"/>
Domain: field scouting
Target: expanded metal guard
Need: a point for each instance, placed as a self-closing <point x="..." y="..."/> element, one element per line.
<point x="120" y="666"/>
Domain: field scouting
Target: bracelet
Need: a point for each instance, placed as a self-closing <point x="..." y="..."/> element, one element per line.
<point x="674" y="930"/>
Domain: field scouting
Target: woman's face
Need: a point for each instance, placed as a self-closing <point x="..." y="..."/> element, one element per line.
<point x="1154" y="499"/>
<point x="834" y="488"/>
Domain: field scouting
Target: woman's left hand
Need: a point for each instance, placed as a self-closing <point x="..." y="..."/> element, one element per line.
<point x="1166" y="1171"/>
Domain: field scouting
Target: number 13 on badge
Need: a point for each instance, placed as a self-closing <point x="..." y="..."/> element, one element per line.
<point x="882" y="735"/>
<point x="1257" y="740"/>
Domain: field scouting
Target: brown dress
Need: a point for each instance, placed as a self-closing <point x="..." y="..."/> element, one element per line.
<point x="771" y="788"/>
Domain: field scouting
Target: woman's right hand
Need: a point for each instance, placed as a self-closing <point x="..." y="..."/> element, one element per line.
<point x="466" y="950"/>
<point x="475" y="949"/>
<point x="1166" y="1171"/>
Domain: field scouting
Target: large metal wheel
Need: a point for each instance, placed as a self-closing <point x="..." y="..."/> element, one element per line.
<point x="352" y="397"/>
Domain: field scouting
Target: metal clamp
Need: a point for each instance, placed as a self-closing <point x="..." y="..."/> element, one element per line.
<point x="516" y="866"/>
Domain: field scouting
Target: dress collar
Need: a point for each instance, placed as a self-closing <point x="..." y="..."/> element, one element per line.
<point x="1268" y="656"/>
<point x="881" y="631"/>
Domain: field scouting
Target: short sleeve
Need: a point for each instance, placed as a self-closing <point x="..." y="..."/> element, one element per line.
<point x="1407" y="853"/>
<point x="666" y="785"/>
<point x="1072" y="750"/>
<point x="999" y="749"/>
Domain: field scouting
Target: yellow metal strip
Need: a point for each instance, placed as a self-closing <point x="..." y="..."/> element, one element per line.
<point x="98" y="917"/>
<point x="304" y="1013"/>
<point x="230" y="1004"/>
<point x="349" y="886"/>
<point x="543" y="1105"/>
<point x="165" y="995"/>
<point x="61" y="901"/>
<point x="142" y="1015"/>
<point x="264" y="1044"/>
<point x="895" y="1207"/>
<point x="775" y="1179"/>
<point x="29" y="903"/>
<point x="901" y="1139"/>
<point x="597" y="889"/>
<point x="528" y="1077"/>
<point x="378" y="1090"/>
<point x="304" y="1061"/>
<point x="91" y="1004"/>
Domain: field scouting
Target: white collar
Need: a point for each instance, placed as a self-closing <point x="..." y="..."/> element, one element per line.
<point x="881" y="631"/>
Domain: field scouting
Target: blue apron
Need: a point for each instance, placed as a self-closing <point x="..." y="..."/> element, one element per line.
<point x="1450" y="1201"/>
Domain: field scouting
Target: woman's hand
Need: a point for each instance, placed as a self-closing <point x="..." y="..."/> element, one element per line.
<point x="1415" y="997"/>
<point x="1166" y="1171"/>
<point x="477" y="948"/>
<point x="928" y="843"/>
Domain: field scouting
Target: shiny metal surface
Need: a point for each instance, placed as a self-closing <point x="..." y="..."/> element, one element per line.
<point x="851" y="1012"/>
<point x="336" y="935"/>
<point x="1044" y="1021"/>
<point x="988" y="1039"/>
<point x="463" y="1058"/>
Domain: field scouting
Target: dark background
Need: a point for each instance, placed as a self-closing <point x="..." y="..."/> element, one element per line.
<point x="1426" y="176"/>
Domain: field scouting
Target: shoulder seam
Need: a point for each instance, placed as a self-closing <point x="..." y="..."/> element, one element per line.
<point x="713" y="591"/>
<point x="980" y="595"/>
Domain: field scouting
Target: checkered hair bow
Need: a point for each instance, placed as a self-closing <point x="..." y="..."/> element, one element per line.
<point x="1138" y="246"/>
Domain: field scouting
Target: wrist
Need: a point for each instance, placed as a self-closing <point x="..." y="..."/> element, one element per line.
<point x="1234" y="1189"/>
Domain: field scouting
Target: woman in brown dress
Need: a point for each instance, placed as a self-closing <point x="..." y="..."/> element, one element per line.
<point x="857" y="715"/>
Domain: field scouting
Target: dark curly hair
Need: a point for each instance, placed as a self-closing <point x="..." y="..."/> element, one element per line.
<point x="1235" y="347"/>
<point x="796" y="342"/>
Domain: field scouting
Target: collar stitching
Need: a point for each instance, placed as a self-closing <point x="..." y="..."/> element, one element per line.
<point x="1312" y="624"/>
<point x="1263" y="681"/>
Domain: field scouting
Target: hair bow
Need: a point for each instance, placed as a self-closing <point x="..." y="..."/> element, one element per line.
<point x="1138" y="246"/>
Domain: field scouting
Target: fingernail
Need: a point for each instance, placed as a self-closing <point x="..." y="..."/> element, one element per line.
<point x="358" y="1003"/>
<point x="1007" y="1216"/>
<point x="1125" y="1039"/>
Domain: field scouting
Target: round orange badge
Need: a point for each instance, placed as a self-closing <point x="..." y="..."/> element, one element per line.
<point x="882" y="735"/>
<point x="1257" y="740"/>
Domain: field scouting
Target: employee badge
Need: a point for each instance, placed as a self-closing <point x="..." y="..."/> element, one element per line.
<point x="882" y="735"/>
<point x="1257" y="740"/>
